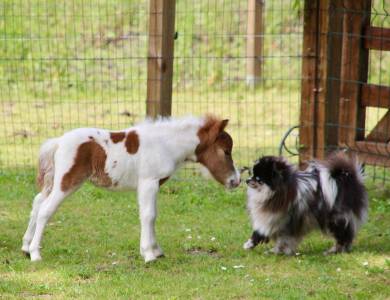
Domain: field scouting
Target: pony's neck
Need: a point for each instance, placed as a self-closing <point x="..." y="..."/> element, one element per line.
<point x="185" y="138"/>
<point x="180" y="136"/>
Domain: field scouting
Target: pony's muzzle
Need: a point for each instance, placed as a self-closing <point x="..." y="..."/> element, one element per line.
<point x="234" y="180"/>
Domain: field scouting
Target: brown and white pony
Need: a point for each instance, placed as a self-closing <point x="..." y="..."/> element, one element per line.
<point x="142" y="157"/>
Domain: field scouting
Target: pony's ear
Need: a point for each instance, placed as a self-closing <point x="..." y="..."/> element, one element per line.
<point x="211" y="130"/>
<point x="223" y="125"/>
<point x="216" y="129"/>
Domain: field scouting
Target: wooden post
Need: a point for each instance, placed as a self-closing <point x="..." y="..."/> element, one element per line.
<point x="254" y="42"/>
<point x="354" y="71"/>
<point x="329" y="68"/>
<point x="160" y="57"/>
<point x="320" y="68"/>
<point x="309" y="80"/>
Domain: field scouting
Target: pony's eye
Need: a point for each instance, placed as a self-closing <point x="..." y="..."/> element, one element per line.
<point x="227" y="152"/>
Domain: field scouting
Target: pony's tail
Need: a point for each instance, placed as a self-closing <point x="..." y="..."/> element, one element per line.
<point x="46" y="166"/>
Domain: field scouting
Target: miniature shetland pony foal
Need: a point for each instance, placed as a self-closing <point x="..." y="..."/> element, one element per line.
<point x="141" y="157"/>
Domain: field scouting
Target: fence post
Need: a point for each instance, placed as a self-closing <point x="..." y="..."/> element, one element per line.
<point x="321" y="67"/>
<point x="309" y="78"/>
<point x="354" y="72"/>
<point x="254" y="42"/>
<point x="160" y="57"/>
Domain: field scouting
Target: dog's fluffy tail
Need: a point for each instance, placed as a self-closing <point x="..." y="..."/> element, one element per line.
<point x="347" y="172"/>
<point x="343" y="166"/>
<point x="46" y="166"/>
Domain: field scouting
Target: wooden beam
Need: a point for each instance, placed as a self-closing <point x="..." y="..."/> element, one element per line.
<point x="328" y="89"/>
<point x="160" y="57"/>
<point x="254" y="42"/>
<point x="354" y="71"/>
<point x="377" y="38"/>
<point x="381" y="132"/>
<point x="320" y="70"/>
<point x="376" y="95"/>
<point x="374" y="160"/>
<point x="309" y="80"/>
<point x="372" y="153"/>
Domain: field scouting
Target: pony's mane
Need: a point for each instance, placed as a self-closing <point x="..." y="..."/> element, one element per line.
<point x="177" y="122"/>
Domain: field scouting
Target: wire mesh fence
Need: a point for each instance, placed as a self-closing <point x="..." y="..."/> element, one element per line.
<point x="362" y="120"/>
<point x="79" y="63"/>
<point x="83" y="63"/>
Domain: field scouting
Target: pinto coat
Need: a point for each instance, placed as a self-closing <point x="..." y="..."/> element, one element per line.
<point x="139" y="158"/>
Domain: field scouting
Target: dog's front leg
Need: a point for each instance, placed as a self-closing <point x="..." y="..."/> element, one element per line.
<point x="147" y="198"/>
<point x="255" y="239"/>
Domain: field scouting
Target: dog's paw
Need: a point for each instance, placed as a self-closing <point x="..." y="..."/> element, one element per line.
<point x="337" y="249"/>
<point x="248" y="245"/>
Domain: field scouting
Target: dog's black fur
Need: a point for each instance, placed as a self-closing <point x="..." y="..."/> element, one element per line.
<point x="285" y="203"/>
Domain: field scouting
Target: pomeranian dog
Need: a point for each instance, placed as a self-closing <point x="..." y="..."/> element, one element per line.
<point x="284" y="203"/>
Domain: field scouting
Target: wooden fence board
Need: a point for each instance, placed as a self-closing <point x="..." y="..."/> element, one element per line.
<point x="160" y="57"/>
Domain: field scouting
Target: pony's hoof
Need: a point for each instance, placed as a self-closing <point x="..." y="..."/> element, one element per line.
<point x="35" y="256"/>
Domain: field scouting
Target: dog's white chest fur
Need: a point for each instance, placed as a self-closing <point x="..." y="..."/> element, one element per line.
<point x="262" y="221"/>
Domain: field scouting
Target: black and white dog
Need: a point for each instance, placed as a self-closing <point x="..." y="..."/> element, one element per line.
<point x="285" y="203"/>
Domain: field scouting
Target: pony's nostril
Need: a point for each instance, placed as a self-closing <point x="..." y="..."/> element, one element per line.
<point x="234" y="182"/>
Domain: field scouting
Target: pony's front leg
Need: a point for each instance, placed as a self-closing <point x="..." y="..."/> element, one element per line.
<point x="147" y="198"/>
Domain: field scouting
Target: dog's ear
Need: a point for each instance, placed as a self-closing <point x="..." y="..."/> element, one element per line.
<point x="284" y="187"/>
<point x="278" y="172"/>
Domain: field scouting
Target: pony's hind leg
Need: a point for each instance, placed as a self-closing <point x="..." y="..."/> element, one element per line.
<point x="46" y="211"/>
<point x="29" y="234"/>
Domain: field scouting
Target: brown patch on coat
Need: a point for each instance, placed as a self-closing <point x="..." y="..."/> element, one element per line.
<point x="162" y="180"/>
<point x="117" y="137"/>
<point x="132" y="142"/>
<point x="40" y="178"/>
<point x="214" y="150"/>
<point x="89" y="163"/>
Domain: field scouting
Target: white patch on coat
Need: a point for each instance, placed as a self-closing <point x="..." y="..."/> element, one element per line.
<point x="163" y="146"/>
<point x="265" y="223"/>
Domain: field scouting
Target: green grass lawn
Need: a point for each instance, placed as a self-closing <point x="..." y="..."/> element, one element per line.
<point x="90" y="249"/>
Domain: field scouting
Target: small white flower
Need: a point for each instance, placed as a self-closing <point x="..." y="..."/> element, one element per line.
<point x="297" y="254"/>
<point x="238" y="266"/>
<point x="114" y="263"/>
<point x="365" y="264"/>
<point x="199" y="237"/>
<point x="189" y="237"/>
<point x="338" y="269"/>
<point x="223" y="268"/>
<point x="213" y="239"/>
<point x="188" y="229"/>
